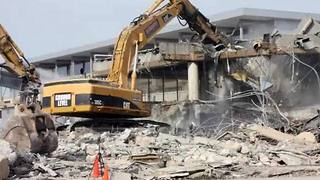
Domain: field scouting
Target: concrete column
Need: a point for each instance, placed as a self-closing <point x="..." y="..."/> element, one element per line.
<point x="72" y="67"/>
<point x="91" y="66"/>
<point x="241" y="33"/>
<point x="193" y="81"/>
<point x="163" y="86"/>
<point x="149" y="89"/>
<point x="177" y="88"/>
<point x="56" y="68"/>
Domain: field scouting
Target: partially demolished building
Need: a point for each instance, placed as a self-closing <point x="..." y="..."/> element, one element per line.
<point x="175" y="71"/>
<point x="249" y="111"/>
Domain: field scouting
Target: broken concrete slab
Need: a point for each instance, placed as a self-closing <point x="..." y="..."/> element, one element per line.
<point x="40" y="166"/>
<point x="230" y="148"/>
<point x="126" y="136"/>
<point x="92" y="149"/>
<point x="304" y="137"/>
<point x="291" y="160"/>
<point x="264" y="159"/>
<point x="270" y="132"/>
<point x="145" y="141"/>
<point x="245" y="149"/>
<point x="120" y="176"/>
<point x="88" y="138"/>
<point x="180" y="172"/>
<point x="8" y="151"/>
<point x="142" y="156"/>
<point x="205" y="141"/>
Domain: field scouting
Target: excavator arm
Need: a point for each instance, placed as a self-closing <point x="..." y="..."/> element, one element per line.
<point x="145" y="27"/>
<point x="15" y="62"/>
<point x="29" y="128"/>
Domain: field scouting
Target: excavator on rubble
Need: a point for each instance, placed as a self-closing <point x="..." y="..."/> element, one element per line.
<point x="113" y="98"/>
<point x="29" y="129"/>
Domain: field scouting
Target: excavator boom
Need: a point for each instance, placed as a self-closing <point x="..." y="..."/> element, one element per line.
<point x="145" y="27"/>
<point x="29" y="128"/>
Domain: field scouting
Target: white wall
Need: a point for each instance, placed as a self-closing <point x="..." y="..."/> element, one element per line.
<point x="286" y="26"/>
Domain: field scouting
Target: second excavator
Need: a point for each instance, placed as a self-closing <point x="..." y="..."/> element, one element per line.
<point x="29" y="128"/>
<point x="116" y="97"/>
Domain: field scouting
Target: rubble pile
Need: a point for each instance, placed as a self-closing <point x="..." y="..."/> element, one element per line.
<point x="146" y="153"/>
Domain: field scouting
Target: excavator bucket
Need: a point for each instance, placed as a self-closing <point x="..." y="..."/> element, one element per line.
<point x="31" y="130"/>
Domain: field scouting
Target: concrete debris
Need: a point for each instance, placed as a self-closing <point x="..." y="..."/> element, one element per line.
<point x="145" y="141"/>
<point x="302" y="138"/>
<point x="205" y="141"/>
<point x="230" y="148"/>
<point x="144" y="153"/>
<point x="121" y="175"/>
<point x="46" y="169"/>
<point x="8" y="151"/>
<point x="305" y="137"/>
<point x="126" y="136"/>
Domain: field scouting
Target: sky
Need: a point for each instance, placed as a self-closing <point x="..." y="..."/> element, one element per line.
<point x="41" y="27"/>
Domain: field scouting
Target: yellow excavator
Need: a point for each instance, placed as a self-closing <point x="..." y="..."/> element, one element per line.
<point x="29" y="128"/>
<point x="114" y="98"/>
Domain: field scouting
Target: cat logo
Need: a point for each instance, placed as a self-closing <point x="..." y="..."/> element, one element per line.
<point x="167" y="17"/>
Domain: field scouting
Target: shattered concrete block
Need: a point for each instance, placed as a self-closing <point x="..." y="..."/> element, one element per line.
<point x="270" y="133"/>
<point x="92" y="149"/>
<point x="72" y="148"/>
<point x="292" y="160"/>
<point x="126" y="136"/>
<point x="145" y="141"/>
<point x="230" y="148"/>
<point x="72" y="136"/>
<point x="90" y="158"/>
<point x="151" y="131"/>
<point x="140" y="150"/>
<point x="205" y="141"/>
<point x="120" y="176"/>
<point x="214" y="157"/>
<point x="264" y="159"/>
<point x="8" y="151"/>
<point x="105" y="136"/>
<point x="169" y="139"/>
<point x="305" y="137"/>
<point x="4" y="167"/>
<point x="245" y="149"/>
<point x="88" y="138"/>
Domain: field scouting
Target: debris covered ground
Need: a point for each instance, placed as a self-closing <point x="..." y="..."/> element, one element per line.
<point x="150" y="153"/>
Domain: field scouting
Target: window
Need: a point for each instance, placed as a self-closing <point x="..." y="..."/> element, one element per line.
<point x="79" y="65"/>
<point x="64" y="70"/>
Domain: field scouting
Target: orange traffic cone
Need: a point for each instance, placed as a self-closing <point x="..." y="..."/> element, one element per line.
<point x="96" y="167"/>
<point x="106" y="173"/>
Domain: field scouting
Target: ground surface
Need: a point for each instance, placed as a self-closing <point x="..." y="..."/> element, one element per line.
<point x="146" y="153"/>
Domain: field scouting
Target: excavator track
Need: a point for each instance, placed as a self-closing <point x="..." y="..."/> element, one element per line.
<point x="114" y="124"/>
